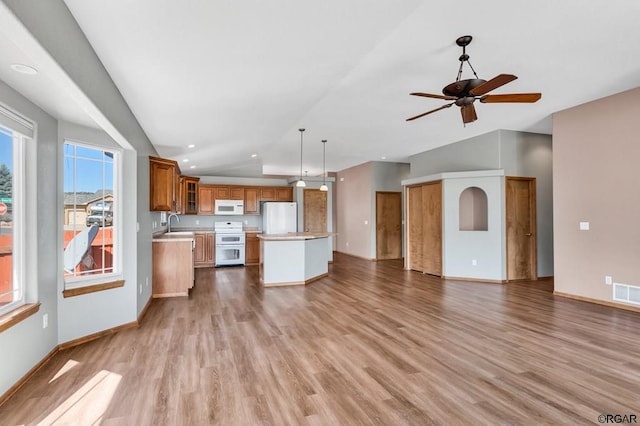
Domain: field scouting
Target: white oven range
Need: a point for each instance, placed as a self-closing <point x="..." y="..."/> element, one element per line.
<point x="230" y="242"/>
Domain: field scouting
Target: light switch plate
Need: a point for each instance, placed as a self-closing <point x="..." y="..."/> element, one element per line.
<point x="584" y="226"/>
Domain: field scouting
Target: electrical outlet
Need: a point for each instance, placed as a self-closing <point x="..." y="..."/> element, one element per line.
<point x="366" y="222"/>
<point x="474" y="262"/>
<point x="45" y="321"/>
<point x="347" y="243"/>
<point x="608" y="280"/>
<point x="197" y="222"/>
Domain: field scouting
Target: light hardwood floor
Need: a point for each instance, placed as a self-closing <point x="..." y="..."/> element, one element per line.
<point x="370" y="344"/>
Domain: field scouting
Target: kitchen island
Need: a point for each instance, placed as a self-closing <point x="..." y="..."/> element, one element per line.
<point x="296" y="258"/>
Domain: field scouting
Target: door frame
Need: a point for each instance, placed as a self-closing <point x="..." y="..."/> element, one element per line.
<point x="533" y="258"/>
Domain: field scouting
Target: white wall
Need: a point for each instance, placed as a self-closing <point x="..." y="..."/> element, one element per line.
<point x="59" y="40"/>
<point x="353" y="193"/>
<point x="26" y="343"/>
<point x="485" y="247"/>
<point x="87" y="314"/>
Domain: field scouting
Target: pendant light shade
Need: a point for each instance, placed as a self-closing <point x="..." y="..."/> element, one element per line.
<point x="301" y="183"/>
<point x="324" y="186"/>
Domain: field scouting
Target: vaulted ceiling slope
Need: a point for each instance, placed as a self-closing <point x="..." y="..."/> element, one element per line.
<point x="237" y="78"/>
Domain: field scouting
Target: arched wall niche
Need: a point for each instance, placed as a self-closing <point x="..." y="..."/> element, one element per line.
<point x="473" y="210"/>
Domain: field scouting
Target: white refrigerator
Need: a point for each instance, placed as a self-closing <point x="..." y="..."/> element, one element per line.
<point x="279" y="217"/>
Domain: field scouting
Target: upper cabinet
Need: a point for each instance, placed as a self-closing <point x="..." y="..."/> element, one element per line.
<point x="189" y="195"/>
<point x="206" y="197"/>
<point x="251" y="200"/>
<point x="171" y="192"/>
<point x="276" y="193"/>
<point x="227" y="192"/>
<point x="163" y="182"/>
<point x="284" y="193"/>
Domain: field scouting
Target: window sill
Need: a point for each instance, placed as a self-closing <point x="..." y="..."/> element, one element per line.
<point x="12" y="318"/>
<point x="92" y="288"/>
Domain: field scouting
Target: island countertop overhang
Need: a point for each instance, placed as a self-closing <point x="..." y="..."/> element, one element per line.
<point x="294" y="236"/>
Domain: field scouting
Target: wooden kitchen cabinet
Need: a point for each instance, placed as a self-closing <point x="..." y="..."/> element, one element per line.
<point x="172" y="272"/>
<point x="189" y="194"/>
<point x="276" y="193"/>
<point x="251" y="200"/>
<point x="228" y="192"/>
<point x="206" y="199"/>
<point x="252" y="249"/>
<point x="204" y="253"/>
<point x="284" y="193"/>
<point x="163" y="184"/>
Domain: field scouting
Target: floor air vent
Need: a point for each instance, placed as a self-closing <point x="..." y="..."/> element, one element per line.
<point x="626" y="293"/>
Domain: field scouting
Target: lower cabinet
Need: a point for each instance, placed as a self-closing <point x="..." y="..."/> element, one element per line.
<point x="172" y="268"/>
<point x="252" y="249"/>
<point x="205" y="251"/>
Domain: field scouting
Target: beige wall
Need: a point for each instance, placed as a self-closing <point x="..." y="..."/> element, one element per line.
<point x="596" y="152"/>
<point x="354" y="198"/>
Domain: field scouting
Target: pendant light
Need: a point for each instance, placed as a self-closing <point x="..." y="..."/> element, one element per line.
<point x="324" y="186"/>
<point x="301" y="182"/>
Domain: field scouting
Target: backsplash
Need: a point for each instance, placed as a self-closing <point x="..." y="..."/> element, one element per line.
<point x="202" y="221"/>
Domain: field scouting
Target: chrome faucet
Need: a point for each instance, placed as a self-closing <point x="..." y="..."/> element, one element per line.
<point x="169" y="221"/>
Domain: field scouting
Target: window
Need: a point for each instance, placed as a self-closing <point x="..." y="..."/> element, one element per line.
<point x="12" y="289"/>
<point x="90" y="214"/>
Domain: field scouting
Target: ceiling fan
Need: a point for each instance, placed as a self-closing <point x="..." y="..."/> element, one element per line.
<point x="464" y="93"/>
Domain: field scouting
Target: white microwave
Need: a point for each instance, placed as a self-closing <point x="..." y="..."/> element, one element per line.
<point x="228" y="207"/>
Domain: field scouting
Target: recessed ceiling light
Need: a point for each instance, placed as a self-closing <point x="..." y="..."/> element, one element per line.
<point x="192" y="167"/>
<point x="191" y="145"/>
<point x="383" y="158"/>
<point x="24" y="69"/>
<point x="186" y="160"/>
<point x="254" y="155"/>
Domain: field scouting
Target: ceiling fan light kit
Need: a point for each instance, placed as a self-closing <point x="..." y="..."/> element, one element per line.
<point x="465" y="92"/>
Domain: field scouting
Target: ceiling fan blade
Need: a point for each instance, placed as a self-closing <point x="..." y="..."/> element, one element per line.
<point x="429" y="95"/>
<point x="429" y="112"/>
<point x="494" y="83"/>
<point x="468" y="113"/>
<point x="511" y="97"/>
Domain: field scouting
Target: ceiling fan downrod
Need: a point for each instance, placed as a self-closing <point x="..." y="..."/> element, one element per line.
<point x="463" y="42"/>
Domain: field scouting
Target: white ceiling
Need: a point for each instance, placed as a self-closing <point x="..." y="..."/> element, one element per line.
<point x="237" y="78"/>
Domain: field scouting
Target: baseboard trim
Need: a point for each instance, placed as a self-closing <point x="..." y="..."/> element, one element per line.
<point x="144" y="310"/>
<point x="356" y="256"/>
<point x="13" y="389"/>
<point x="597" y="301"/>
<point x="476" y="280"/>
<point x="94" y="336"/>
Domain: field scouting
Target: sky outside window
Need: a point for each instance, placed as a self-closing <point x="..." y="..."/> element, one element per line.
<point x="87" y="169"/>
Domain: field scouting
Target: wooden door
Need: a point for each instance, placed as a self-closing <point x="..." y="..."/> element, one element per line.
<point x="315" y="210"/>
<point x="414" y="233"/>
<point x="520" y="200"/>
<point x="388" y="225"/>
<point x="432" y="228"/>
